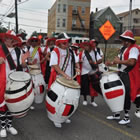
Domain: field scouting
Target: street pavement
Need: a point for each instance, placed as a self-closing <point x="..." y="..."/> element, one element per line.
<point x="88" y="123"/>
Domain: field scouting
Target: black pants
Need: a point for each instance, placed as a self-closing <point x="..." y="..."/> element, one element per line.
<point x="126" y="81"/>
<point x="137" y="102"/>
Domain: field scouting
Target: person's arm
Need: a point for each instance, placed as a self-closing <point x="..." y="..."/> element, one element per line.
<point x="60" y="72"/>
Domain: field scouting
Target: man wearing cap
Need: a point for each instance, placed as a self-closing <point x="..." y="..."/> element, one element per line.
<point x="128" y="65"/>
<point x="10" y="61"/>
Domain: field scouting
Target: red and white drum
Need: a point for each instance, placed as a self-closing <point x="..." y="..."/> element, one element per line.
<point x="19" y="94"/>
<point x="39" y="83"/>
<point x="62" y="100"/>
<point x="113" y="91"/>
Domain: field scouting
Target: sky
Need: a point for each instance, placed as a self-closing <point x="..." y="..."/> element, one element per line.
<point x="33" y="14"/>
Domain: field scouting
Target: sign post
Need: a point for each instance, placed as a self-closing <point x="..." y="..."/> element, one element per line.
<point x="107" y="30"/>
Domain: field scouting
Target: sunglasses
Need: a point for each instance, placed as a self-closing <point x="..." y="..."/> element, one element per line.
<point x="34" y="40"/>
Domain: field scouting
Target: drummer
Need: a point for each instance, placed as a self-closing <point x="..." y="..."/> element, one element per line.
<point x="10" y="61"/>
<point x="129" y="73"/>
<point x="64" y="63"/>
<point x="88" y="66"/>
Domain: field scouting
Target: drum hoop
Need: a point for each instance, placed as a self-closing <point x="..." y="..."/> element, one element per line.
<point x="19" y="80"/>
<point x="107" y="73"/>
<point x="60" y="82"/>
<point x="19" y="90"/>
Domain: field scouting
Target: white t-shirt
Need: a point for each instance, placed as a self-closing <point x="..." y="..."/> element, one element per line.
<point x="133" y="53"/>
<point x="63" y="53"/>
<point x="101" y="52"/>
<point x="14" y="56"/>
<point x="86" y="67"/>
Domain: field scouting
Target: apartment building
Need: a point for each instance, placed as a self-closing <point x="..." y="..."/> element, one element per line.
<point x="135" y="27"/>
<point x="70" y="16"/>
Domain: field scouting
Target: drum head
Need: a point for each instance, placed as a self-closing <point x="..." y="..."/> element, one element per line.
<point x="68" y="83"/>
<point x="33" y="66"/>
<point x="19" y="76"/>
<point x="35" y="72"/>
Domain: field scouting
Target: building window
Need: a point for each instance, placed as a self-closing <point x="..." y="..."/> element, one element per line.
<point x="64" y="8"/>
<point x="136" y="20"/>
<point x="74" y="10"/>
<point x="74" y="23"/>
<point x="108" y="17"/>
<point x="59" y="6"/>
<point x="120" y="18"/>
<point x="83" y="10"/>
<point x="136" y="12"/>
<point x="58" y="22"/>
<point x="64" y="23"/>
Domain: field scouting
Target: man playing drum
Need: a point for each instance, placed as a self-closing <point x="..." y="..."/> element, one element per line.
<point x="10" y="61"/>
<point x="129" y="73"/>
<point x="88" y="67"/>
<point x="64" y="63"/>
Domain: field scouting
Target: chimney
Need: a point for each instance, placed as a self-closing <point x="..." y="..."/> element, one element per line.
<point x="96" y="10"/>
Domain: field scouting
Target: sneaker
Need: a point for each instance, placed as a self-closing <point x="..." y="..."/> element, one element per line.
<point x="3" y="133"/>
<point x="94" y="104"/>
<point x="12" y="130"/>
<point x="68" y="121"/>
<point x="84" y="103"/>
<point x="124" y="121"/>
<point x="113" y="117"/>
<point x="32" y="107"/>
<point x="58" y="125"/>
<point x="137" y="113"/>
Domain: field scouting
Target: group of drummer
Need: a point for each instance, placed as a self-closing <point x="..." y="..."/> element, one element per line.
<point x="60" y="58"/>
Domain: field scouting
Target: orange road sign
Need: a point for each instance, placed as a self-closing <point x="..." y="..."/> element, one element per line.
<point x="107" y="30"/>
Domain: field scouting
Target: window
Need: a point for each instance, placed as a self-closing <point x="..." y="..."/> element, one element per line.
<point x="73" y="22"/>
<point x="83" y="10"/>
<point x="58" y="22"/>
<point x="136" y="12"/>
<point x="64" y="23"/>
<point x="136" y="20"/>
<point x="74" y="9"/>
<point x="59" y="6"/>
<point x="64" y="8"/>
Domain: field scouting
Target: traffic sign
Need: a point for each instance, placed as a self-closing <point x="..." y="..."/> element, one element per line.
<point x="107" y="30"/>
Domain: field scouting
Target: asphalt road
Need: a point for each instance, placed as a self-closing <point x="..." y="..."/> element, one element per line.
<point x="88" y="123"/>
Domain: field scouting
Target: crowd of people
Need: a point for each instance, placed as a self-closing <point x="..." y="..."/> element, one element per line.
<point x="61" y="58"/>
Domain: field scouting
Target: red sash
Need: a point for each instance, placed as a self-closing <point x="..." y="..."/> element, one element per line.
<point x="134" y="75"/>
<point x="53" y="72"/>
<point x="2" y="82"/>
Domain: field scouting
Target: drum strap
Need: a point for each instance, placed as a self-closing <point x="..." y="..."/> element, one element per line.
<point x="18" y="90"/>
<point x="34" y="52"/>
<point x="66" y="61"/>
<point x="8" y="57"/>
<point x="89" y="58"/>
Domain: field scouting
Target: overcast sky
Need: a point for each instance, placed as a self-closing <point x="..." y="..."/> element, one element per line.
<point x="33" y="14"/>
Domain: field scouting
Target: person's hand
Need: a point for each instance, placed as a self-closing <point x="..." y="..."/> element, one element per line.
<point x="78" y="71"/>
<point x="67" y="77"/>
<point x="116" y="60"/>
<point x="2" y="60"/>
<point x="34" y="61"/>
<point x="108" y="63"/>
<point x="25" y="56"/>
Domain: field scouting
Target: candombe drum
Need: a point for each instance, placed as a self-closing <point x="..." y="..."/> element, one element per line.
<point x="113" y="91"/>
<point x="62" y="100"/>
<point x="19" y="94"/>
<point x="38" y="82"/>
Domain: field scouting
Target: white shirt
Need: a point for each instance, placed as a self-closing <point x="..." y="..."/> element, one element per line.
<point x="86" y="67"/>
<point x="133" y="53"/>
<point x="63" y="53"/>
<point x="14" y="56"/>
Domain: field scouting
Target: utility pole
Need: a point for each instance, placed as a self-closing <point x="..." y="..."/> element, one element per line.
<point x="130" y="16"/>
<point x="16" y="16"/>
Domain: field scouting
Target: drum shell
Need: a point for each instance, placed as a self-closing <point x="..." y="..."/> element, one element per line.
<point x="19" y="97"/>
<point x="113" y="91"/>
<point x="38" y="81"/>
<point x="66" y="98"/>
